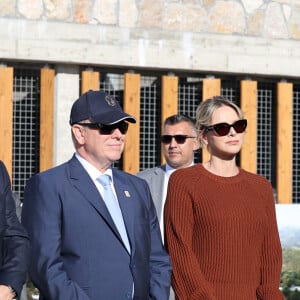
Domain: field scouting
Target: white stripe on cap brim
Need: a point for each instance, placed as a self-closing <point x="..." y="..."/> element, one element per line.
<point x="133" y="120"/>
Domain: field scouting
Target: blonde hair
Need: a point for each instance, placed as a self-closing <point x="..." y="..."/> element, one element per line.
<point x="206" y="109"/>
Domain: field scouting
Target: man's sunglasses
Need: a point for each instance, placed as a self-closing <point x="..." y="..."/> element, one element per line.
<point x="223" y="129"/>
<point x="107" y="129"/>
<point x="179" y="138"/>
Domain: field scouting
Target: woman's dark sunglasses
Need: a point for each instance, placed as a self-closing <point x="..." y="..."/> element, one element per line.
<point x="179" y="138"/>
<point x="107" y="129"/>
<point x="223" y="128"/>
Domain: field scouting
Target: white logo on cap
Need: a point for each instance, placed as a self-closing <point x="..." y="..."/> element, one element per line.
<point x="110" y="101"/>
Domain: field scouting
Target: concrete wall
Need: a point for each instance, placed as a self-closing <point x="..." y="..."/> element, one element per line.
<point x="239" y="36"/>
<point x="245" y="36"/>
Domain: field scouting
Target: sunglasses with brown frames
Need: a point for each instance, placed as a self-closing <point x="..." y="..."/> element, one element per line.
<point x="223" y="129"/>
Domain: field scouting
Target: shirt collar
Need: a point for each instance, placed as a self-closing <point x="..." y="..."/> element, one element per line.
<point x="93" y="172"/>
<point x="170" y="170"/>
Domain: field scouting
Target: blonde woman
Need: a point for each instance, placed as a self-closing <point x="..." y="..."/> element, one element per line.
<point x="220" y="224"/>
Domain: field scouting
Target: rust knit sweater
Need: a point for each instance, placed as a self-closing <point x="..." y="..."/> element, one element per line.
<point x="222" y="236"/>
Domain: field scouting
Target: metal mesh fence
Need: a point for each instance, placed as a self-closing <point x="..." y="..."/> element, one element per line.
<point x="230" y="89"/>
<point x="26" y="121"/>
<point x="26" y="112"/>
<point x="150" y="122"/>
<point x="189" y="97"/>
<point x="296" y="144"/>
<point x="266" y="131"/>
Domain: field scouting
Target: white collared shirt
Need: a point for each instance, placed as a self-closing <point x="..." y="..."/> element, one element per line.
<point x="168" y="172"/>
<point x="94" y="173"/>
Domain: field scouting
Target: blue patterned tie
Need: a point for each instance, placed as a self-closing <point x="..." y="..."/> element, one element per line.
<point x="113" y="207"/>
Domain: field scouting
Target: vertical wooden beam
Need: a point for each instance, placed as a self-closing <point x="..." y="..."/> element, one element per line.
<point x="169" y="100"/>
<point x="249" y="108"/>
<point x="6" y="116"/>
<point x="131" y="156"/>
<point x="284" y="142"/>
<point x="169" y="96"/>
<point x="90" y="80"/>
<point x="46" y="118"/>
<point x="211" y="87"/>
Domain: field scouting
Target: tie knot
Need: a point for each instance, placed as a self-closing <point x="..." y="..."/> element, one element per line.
<point x="104" y="179"/>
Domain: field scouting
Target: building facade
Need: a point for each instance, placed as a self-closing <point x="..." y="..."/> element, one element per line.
<point x="159" y="57"/>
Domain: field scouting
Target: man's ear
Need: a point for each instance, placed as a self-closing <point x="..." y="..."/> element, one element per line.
<point x="78" y="133"/>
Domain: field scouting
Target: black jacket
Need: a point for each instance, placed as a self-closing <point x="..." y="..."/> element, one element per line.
<point x="14" y="243"/>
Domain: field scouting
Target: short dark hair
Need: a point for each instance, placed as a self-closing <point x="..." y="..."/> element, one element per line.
<point x="175" y="119"/>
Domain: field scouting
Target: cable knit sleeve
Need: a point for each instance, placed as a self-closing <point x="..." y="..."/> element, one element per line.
<point x="271" y="260"/>
<point x="188" y="281"/>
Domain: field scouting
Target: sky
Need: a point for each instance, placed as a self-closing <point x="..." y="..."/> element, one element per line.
<point x="288" y="215"/>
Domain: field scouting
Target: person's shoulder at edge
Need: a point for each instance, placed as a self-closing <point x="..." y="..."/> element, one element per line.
<point x="188" y="174"/>
<point x="132" y="178"/>
<point x="188" y="170"/>
<point x="1" y="164"/>
<point x="150" y="171"/>
<point x="3" y="170"/>
<point x="53" y="171"/>
<point x="254" y="177"/>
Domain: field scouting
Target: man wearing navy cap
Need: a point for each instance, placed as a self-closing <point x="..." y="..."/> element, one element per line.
<point x="93" y="229"/>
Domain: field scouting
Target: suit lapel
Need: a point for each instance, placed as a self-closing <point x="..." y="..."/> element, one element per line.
<point x="126" y="203"/>
<point x="86" y="187"/>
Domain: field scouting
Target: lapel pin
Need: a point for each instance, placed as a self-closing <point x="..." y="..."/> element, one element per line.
<point x="127" y="194"/>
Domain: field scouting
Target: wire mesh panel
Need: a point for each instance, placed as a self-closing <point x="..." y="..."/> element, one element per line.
<point x="113" y="84"/>
<point x="150" y="122"/>
<point x="189" y="97"/>
<point x="26" y="120"/>
<point x="296" y="144"/>
<point x="230" y="89"/>
<point x="26" y="111"/>
<point x="266" y="131"/>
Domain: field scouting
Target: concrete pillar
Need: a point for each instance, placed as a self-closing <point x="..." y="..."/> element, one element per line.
<point x="66" y="92"/>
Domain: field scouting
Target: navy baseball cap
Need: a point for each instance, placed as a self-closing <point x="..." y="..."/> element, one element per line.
<point x="99" y="107"/>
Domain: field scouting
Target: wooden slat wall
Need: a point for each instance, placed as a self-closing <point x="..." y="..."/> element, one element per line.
<point x="90" y="80"/>
<point x="46" y="118"/>
<point x="131" y="105"/>
<point x="169" y="100"/>
<point x="284" y="142"/>
<point x="169" y="96"/>
<point x="211" y="87"/>
<point x="249" y="108"/>
<point x="6" y="117"/>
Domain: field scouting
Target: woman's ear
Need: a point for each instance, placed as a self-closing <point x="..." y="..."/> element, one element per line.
<point x="203" y="137"/>
<point x="197" y="143"/>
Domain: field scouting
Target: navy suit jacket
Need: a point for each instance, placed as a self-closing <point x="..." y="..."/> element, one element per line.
<point x="14" y="243"/>
<point x="76" y="249"/>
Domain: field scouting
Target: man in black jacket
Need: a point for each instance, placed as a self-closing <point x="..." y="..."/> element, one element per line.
<point x="14" y="243"/>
